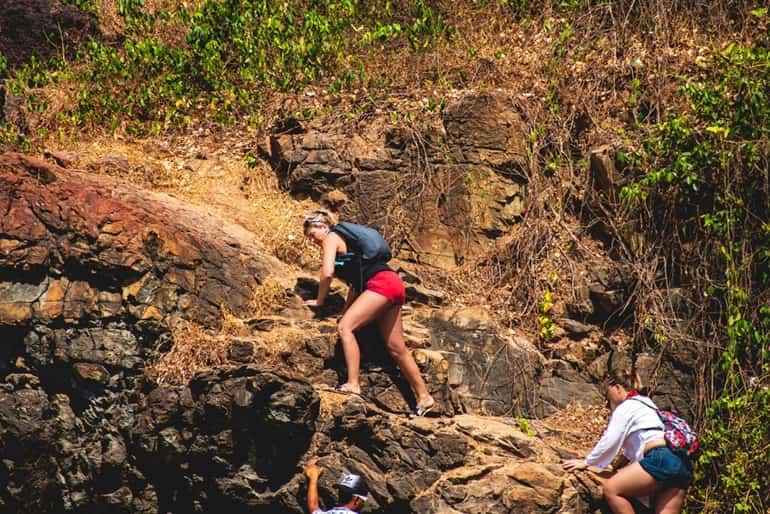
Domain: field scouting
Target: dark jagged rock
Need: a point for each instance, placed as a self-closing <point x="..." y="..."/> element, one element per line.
<point x="241" y="432"/>
<point x="93" y="273"/>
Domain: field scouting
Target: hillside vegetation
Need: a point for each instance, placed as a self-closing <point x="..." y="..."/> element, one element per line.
<point x="679" y="89"/>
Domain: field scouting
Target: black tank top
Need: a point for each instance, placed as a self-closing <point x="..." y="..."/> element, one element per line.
<point x="353" y="270"/>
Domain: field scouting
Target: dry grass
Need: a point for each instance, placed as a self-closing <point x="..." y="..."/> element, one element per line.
<point x="194" y="350"/>
<point x="577" y="427"/>
<point x="232" y="325"/>
<point x="278" y="225"/>
<point x="273" y="348"/>
<point x="267" y="296"/>
<point x="210" y="171"/>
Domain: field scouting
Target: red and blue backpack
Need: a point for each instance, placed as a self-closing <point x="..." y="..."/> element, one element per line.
<point x="680" y="437"/>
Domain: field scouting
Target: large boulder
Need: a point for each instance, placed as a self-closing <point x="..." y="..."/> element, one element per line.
<point x="84" y="247"/>
<point x="440" y="197"/>
<point x="488" y="371"/>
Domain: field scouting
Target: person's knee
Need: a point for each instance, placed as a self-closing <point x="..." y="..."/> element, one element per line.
<point x="397" y="351"/>
<point x="345" y="328"/>
<point x="610" y="488"/>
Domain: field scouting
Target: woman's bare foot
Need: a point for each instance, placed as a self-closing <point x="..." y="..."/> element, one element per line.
<point x="424" y="406"/>
<point x="348" y="388"/>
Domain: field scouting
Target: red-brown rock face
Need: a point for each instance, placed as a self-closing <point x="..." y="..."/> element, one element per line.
<point x="75" y="246"/>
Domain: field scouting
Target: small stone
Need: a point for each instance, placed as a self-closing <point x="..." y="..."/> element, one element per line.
<point x="90" y="372"/>
<point x="240" y="351"/>
<point x="63" y="159"/>
<point x="20" y="380"/>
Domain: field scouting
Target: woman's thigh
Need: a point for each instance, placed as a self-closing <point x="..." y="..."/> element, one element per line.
<point x="391" y="326"/>
<point x="364" y="310"/>
<point x="631" y="481"/>
<point x="669" y="501"/>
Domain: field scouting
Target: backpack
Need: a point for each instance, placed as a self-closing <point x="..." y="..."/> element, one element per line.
<point x="680" y="437"/>
<point x="365" y="241"/>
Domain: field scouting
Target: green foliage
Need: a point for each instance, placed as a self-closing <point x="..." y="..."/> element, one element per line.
<point x="710" y="165"/>
<point x="233" y="51"/>
<point x="427" y="22"/>
<point x="546" y="326"/>
<point x="34" y="74"/>
<point x="86" y="5"/>
<point x="276" y="43"/>
<point x="524" y="426"/>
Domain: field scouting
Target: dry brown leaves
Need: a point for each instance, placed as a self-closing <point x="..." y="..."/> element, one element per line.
<point x="194" y="350"/>
<point x="208" y="170"/>
<point x="577" y="426"/>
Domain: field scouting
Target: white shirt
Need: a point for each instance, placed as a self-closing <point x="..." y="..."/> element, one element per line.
<point x="335" y="510"/>
<point x="631" y="426"/>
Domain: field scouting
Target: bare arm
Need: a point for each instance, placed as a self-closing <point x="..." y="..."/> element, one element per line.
<point x="330" y="246"/>
<point x="313" y="472"/>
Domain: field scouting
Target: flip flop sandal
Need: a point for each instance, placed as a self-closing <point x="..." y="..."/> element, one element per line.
<point x="345" y="389"/>
<point x="422" y="410"/>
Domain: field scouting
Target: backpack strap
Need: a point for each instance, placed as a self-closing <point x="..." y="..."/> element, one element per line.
<point x="657" y="411"/>
<point x="349" y="236"/>
<point x="644" y="403"/>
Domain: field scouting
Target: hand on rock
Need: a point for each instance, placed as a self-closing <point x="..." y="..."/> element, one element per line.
<point x="313" y="471"/>
<point x="574" y="464"/>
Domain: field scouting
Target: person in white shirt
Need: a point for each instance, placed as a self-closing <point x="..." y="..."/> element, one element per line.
<point x="648" y="467"/>
<point x="351" y="488"/>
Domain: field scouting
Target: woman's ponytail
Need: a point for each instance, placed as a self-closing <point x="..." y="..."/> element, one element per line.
<point x="319" y="218"/>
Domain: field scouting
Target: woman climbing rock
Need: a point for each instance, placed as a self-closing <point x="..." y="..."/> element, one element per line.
<point x="358" y="256"/>
<point x="648" y="467"/>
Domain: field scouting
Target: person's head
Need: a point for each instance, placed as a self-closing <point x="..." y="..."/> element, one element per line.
<point x="352" y="491"/>
<point x="618" y="383"/>
<point x="317" y="225"/>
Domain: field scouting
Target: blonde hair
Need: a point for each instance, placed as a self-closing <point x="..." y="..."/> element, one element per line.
<point x="318" y="218"/>
<point x="627" y="378"/>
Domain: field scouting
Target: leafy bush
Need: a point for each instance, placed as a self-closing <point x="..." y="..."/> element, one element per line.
<point x="707" y="170"/>
<point x="232" y="52"/>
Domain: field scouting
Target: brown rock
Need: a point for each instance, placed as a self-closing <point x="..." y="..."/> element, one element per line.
<point x="90" y="372"/>
<point x="79" y="301"/>
<point x="51" y="304"/>
<point x="452" y="194"/>
<point x="63" y="159"/>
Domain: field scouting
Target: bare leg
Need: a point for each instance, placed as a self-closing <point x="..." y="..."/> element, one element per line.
<point x="392" y="331"/>
<point x="630" y="481"/>
<point x="669" y="501"/>
<point x="362" y="311"/>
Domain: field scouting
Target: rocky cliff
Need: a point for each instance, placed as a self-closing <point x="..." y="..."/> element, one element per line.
<point x="95" y="275"/>
<point x="96" y="279"/>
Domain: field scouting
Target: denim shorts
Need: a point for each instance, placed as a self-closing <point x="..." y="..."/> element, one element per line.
<point x="668" y="468"/>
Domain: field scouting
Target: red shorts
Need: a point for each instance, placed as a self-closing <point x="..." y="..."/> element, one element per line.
<point x="389" y="285"/>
